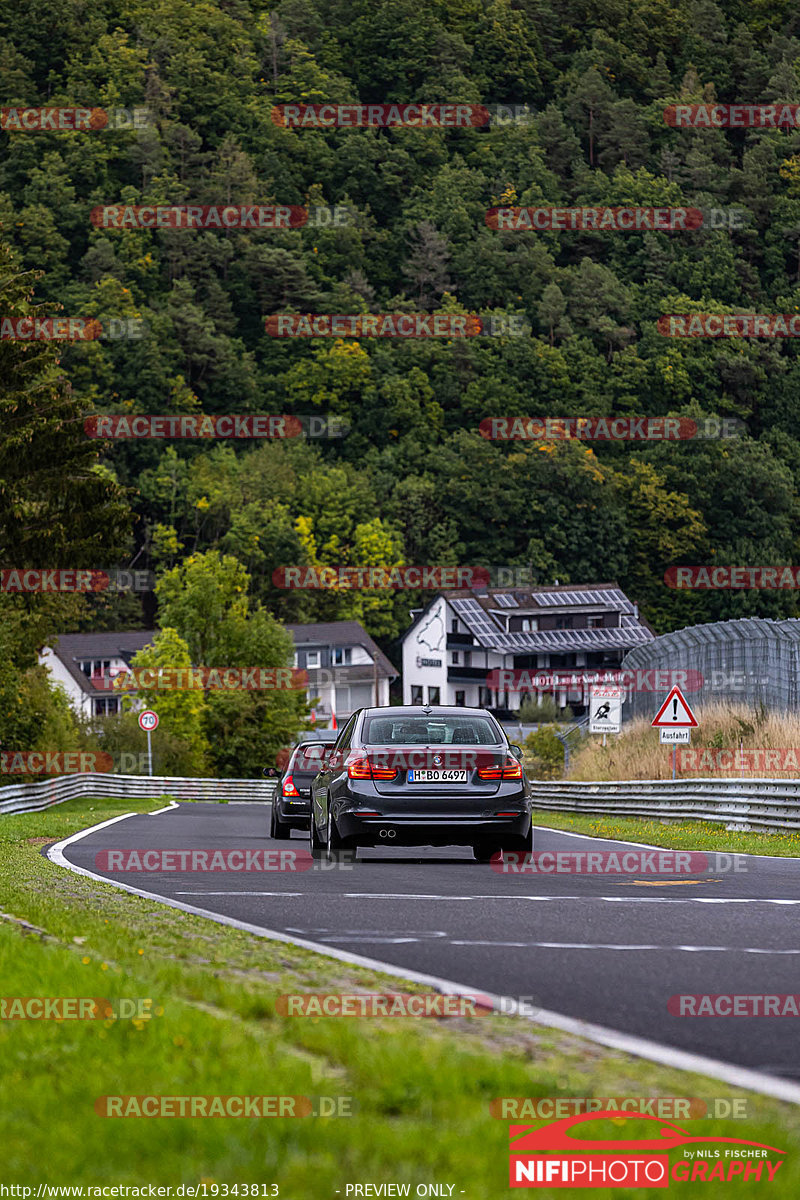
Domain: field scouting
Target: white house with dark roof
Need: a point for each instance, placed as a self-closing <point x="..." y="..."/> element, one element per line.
<point x="455" y="643"/>
<point x="86" y="663"/>
<point x="346" y="669"/>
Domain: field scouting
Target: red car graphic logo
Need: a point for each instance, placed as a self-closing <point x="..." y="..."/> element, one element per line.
<point x="526" y="1139"/>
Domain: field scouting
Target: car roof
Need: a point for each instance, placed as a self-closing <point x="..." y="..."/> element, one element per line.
<point x="415" y="710"/>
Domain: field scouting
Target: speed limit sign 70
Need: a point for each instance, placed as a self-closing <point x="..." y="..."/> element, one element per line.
<point x="148" y="720"/>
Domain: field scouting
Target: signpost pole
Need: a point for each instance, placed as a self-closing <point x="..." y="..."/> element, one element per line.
<point x="674" y="753"/>
<point x="148" y="721"/>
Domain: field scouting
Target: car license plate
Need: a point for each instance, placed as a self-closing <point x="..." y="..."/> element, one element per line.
<point x="445" y="775"/>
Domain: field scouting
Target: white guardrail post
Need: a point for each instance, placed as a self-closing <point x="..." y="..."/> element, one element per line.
<point x="765" y="804"/>
<point x="29" y="797"/>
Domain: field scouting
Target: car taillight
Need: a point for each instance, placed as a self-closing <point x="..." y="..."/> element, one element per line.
<point x="360" y="767"/>
<point x="511" y="769"/>
<point x="288" y="787"/>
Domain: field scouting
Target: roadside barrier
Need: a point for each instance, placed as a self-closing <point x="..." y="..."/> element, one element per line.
<point x="29" y="797"/>
<point x="765" y="804"/>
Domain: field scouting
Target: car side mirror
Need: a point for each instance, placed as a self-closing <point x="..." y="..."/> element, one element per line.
<point x="270" y="772"/>
<point x="517" y="752"/>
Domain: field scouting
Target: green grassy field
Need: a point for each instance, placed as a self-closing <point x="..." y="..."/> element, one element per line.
<point x="678" y="835"/>
<point x="419" y="1090"/>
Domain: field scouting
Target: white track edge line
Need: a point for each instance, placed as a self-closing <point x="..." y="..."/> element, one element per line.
<point x="682" y="1060"/>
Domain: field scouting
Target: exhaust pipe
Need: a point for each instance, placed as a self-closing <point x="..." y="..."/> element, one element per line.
<point x="390" y="833"/>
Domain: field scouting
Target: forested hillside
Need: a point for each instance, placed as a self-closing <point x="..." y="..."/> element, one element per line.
<point x="414" y="481"/>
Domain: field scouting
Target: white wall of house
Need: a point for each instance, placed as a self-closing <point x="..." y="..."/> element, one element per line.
<point x="59" y="674"/>
<point x="82" y="702"/>
<point x="425" y="655"/>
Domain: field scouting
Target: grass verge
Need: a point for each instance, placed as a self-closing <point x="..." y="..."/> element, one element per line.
<point x="675" y="835"/>
<point x="419" y="1090"/>
<point x="770" y="741"/>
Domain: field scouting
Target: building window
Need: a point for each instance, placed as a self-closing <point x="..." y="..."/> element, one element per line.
<point x="563" y="622"/>
<point x="461" y="699"/>
<point x="95" y="666"/>
<point x="433" y="695"/>
<point x="455" y="658"/>
<point x="467" y="658"/>
<point x="416" y="693"/>
<point x="312" y="658"/>
<point x="106" y="707"/>
<point x="595" y="621"/>
<point x="342" y="656"/>
<point x="529" y="624"/>
<point x="454" y="626"/>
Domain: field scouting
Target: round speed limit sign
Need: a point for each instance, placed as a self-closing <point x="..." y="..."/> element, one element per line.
<point x="148" y="720"/>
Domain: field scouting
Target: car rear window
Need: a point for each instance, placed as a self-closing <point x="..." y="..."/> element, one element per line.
<point x="431" y="731"/>
<point x="310" y="756"/>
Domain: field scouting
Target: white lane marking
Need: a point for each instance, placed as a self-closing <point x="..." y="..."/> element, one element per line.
<point x="364" y="936"/>
<point x="683" y="849"/>
<point x="166" y="808"/>
<point x="739" y="1077"/>
<point x="504" y="896"/>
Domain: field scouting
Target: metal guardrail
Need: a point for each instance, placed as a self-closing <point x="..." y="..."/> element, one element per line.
<point x="768" y="804"/>
<point x="29" y="797"/>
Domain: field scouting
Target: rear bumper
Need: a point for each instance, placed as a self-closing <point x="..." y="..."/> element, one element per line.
<point x="293" y="811"/>
<point x="417" y="829"/>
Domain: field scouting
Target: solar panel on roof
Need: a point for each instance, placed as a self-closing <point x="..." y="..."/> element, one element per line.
<point x="608" y="596"/>
<point x="505" y="600"/>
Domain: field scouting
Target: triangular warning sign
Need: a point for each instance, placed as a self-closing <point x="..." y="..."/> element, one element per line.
<point x="675" y="713"/>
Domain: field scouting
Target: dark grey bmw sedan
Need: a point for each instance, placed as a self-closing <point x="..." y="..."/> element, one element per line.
<point x="422" y="777"/>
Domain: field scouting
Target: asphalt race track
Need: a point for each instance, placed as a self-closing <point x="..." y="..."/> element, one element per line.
<point x="607" y="949"/>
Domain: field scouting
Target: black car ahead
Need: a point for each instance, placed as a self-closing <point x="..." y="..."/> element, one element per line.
<point x="292" y="803"/>
<point x="422" y="777"/>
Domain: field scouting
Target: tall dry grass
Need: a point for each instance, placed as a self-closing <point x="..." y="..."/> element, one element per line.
<point x="636" y="753"/>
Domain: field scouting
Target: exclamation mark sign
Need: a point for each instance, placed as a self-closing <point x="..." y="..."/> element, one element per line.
<point x="675" y="709"/>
